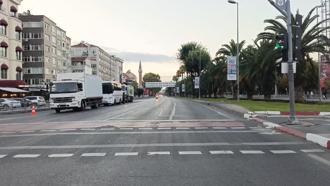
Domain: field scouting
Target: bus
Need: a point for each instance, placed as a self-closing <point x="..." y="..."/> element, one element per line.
<point x="112" y="93"/>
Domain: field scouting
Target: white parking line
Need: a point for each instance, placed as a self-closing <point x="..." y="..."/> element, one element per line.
<point x="159" y="153"/>
<point x="190" y="152"/>
<point x="2" y="155"/>
<point x="60" y="155"/>
<point x="252" y="152"/>
<point x="282" y="151"/>
<point x="312" y="150"/>
<point x="126" y="154"/>
<point x="221" y="152"/>
<point x="93" y="154"/>
<point x="27" y="156"/>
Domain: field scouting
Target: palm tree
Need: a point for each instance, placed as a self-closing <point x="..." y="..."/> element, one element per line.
<point x="313" y="41"/>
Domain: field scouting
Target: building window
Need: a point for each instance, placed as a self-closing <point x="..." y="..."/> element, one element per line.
<point x="19" y="53"/>
<point x="3" y="27"/>
<point x="1" y="2"/>
<point x="18" y="73"/>
<point x="13" y="11"/>
<point x="4" y="71"/>
<point x="3" y="49"/>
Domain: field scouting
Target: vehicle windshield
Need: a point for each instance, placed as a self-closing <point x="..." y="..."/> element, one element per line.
<point x="70" y="87"/>
<point x="107" y="88"/>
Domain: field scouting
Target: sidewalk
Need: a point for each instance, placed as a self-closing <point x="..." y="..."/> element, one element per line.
<point x="23" y="110"/>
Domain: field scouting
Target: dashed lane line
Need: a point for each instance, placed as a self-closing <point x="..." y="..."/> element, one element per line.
<point x="173" y="112"/>
<point x="282" y="151"/>
<point x="221" y="152"/>
<point x="190" y="152"/>
<point x="252" y="152"/>
<point x="219" y="128"/>
<point x="312" y="150"/>
<point x="3" y="155"/>
<point x="126" y="154"/>
<point x="93" y="154"/>
<point x="159" y="153"/>
<point x="60" y="155"/>
<point x="26" y="156"/>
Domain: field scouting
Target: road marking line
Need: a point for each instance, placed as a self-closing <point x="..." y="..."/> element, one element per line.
<point x="159" y="153"/>
<point x="219" y="128"/>
<point x="93" y="154"/>
<point x="60" y="155"/>
<point x="126" y="128"/>
<point x="312" y="150"/>
<point x="238" y="128"/>
<point x="88" y="129"/>
<point x="173" y="112"/>
<point x="126" y="153"/>
<point x="66" y="130"/>
<point x="48" y="131"/>
<point x="145" y="128"/>
<point x="220" y="113"/>
<point x="27" y="156"/>
<point x="107" y="129"/>
<point x="190" y="152"/>
<point x="221" y="152"/>
<point x="182" y="128"/>
<point x="319" y="159"/>
<point x="2" y="155"/>
<point x="252" y="152"/>
<point x="283" y="151"/>
<point x="201" y="128"/>
<point x="164" y="128"/>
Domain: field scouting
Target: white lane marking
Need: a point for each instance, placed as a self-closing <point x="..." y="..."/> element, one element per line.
<point x="220" y="113"/>
<point x="26" y="155"/>
<point x="219" y="128"/>
<point x="190" y="152"/>
<point x="93" y="154"/>
<point x="126" y="153"/>
<point x="252" y="152"/>
<point x="201" y="128"/>
<point x="221" y="152"/>
<point x="238" y="128"/>
<point x="319" y="159"/>
<point x="125" y="128"/>
<point x="3" y="155"/>
<point x="48" y="131"/>
<point x="182" y="128"/>
<point x="145" y="128"/>
<point x="282" y="151"/>
<point x="66" y="130"/>
<point x="160" y="113"/>
<point x="159" y="153"/>
<point x="60" y="155"/>
<point x="173" y="112"/>
<point x="28" y="131"/>
<point x="270" y="133"/>
<point x="312" y="150"/>
<point x="107" y="129"/>
<point x="164" y="128"/>
<point x="88" y="129"/>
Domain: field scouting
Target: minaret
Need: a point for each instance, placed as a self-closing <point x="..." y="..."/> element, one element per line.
<point x="140" y="75"/>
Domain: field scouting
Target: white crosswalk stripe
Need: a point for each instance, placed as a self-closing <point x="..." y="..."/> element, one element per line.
<point x="283" y="151"/>
<point x="164" y="128"/>
<point x="2" y="155"/>
<point x="222" y="152"/>
<point x="93" y="154"/>
<point x="190" y="152"/>
<point x="145" y="128"/>
<point x="252" y="152"/>
<point x="126" y="154"/>
<point x="60" y="155"/>
<point x="159" y="153"/>
<point x="27" y="156"/>
<point x="312" y="150"/>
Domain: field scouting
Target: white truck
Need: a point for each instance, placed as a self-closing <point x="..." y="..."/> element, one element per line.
<point x="76" y="91"/>
<point x="129" y="93"/>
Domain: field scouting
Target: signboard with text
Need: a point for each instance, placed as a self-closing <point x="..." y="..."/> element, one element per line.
<point x="325" y="70"/>
<point x="160" y="84"/>
<point x="197" y="79"/>
<point x="231" y="69"/>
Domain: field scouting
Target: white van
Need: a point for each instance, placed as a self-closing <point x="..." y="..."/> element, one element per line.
<point x="112" y="93"/>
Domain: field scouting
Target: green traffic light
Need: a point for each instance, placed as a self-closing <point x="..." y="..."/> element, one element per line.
<point x="279" y="46"/>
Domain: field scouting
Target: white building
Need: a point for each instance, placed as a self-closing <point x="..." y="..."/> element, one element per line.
<point x="108" y="67"/>
<point x="10" y="40"/>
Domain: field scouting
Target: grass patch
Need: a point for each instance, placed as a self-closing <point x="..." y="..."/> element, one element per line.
<point x="273" y="106"/>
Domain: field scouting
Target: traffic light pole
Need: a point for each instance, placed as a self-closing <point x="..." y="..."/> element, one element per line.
<point x="292" y="118"/>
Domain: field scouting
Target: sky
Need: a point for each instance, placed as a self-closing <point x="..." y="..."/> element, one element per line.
<point x="153" y="30"/>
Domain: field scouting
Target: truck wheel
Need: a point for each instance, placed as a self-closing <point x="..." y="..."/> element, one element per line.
<point x="58" y="110"/>
<point x="83" y="106"/>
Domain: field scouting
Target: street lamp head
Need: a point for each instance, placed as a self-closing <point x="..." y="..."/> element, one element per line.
<point x="232" y="2"/>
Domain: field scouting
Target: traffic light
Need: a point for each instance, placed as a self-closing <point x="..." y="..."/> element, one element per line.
<point x="282" y="44"/>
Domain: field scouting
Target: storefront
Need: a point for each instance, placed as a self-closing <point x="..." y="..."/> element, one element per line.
<point x="7" y="92"/>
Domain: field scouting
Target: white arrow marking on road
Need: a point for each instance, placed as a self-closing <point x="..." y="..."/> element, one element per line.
<point x="173" y="112"/>
<point x="60" y="155"/>
<point x="159" y="153"/>
<point x="252" y="152"/>
<point x="312" y="150"/>
<point x="222" y="152"/>
<point x="283" y="151"/>
<point x="2" y="155"/>
<point x="26" y="155"/>
<point x="93" y="154"/>
<point x="126" y="154"/>
<point x="190" y="152"/>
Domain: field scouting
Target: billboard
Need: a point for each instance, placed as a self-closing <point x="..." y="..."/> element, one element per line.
<point x="160" y="84"/>
<point x="325" y="70"/>
<point x="231" y="69"/>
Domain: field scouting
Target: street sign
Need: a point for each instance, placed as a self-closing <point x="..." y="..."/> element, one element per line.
<point x="160" y="84"/>
<point x="231" y="69"/>
<point x="285" y="68"/>
<point x="197" y="82"/>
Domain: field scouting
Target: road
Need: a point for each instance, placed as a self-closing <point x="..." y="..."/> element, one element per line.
<point x="166" y="142"/>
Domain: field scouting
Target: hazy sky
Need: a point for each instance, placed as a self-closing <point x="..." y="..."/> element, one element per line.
<point x="153" y="30"/>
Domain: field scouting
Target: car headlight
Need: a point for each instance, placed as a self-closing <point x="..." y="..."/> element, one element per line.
<point x="51" y="100"/>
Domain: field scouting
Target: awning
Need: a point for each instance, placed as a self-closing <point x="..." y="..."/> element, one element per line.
<point x="19" y="49"/>
<point x="18" y="29"/>
<point x="13" y="9"/>
<point x="19" y="69"/>
<point x="3" y="22"/>
<point x="3" y="44"/>
<point x="12" y="90"/>
<point x="4" y="66"/>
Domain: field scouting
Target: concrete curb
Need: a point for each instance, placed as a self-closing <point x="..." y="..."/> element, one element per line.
<point x="23" y="111"/>
<point x="315" y="138"/>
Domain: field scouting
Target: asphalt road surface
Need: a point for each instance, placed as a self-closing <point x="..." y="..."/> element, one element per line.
<point x="149" y="142"/>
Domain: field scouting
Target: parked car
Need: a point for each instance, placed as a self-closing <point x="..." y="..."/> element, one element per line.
<point x="24" y="102"/>
<point x="36" y="100"/>
<point x="6" y="104"/>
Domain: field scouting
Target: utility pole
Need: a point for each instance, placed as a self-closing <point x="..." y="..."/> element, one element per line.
<point x="200" y="70"/>
<point x="284" y="7"/>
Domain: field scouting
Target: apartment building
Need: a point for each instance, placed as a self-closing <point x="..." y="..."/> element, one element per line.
<point x="108" y="67"/>
<point x="46" y="49"/>
<point x="10" y="41"/>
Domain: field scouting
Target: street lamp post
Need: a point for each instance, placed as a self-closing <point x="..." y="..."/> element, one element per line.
<point x="237" y="47"/>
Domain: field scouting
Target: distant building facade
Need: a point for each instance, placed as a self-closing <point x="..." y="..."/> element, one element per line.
<point x="46" y="49"/>
<point x="129" y="77"/>
<point x="10" y="41"/>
